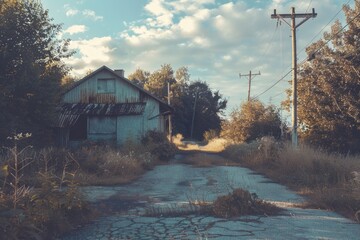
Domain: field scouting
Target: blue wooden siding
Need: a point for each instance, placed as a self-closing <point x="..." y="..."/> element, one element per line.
<point x="124" y="92"/>
<point x="131" y="127"/>
<point x="151" y="115"/>
<point x="102" y="128"/>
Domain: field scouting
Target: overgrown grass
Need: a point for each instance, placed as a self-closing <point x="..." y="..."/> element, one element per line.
<point x="39" y="196"/>
<point x="238" y="203"/>
<point x="328" y="179"/>
<point x="241" y="202"/>
<point x="214" y="145"/>
<point x="105" y="165"/>
<point x="45" y="207"/>
<point x="109" y="165"/>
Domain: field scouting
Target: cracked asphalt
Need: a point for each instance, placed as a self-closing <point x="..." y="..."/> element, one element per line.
<point x="172" y="186"/>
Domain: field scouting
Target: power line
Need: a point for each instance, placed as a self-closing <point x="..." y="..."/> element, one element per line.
<point x="306" y="59"/>
<point x="272" y="38"/>
<point x="332" y="19"/>
<point x="308" y="6"/>
<point x="332" y="37"/>
<point x="278" y="94"/>
<point x="278" y="81"/>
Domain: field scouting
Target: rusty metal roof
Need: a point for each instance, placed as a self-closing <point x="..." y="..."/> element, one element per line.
<point x="104" y="109"/>
<point x="70" y="112"/>
<point x="163" y="104"/>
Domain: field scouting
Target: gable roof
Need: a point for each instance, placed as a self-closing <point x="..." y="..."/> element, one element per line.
<point x="105" y="68"/>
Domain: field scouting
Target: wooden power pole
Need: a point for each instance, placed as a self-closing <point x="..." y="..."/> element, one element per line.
<point x="170" y="124"/>
<point x="249" y="76"/>
<point x="294" y="26"/>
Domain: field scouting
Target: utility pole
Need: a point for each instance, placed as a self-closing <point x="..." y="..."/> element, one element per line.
<point x="193" y="116"/>
<point x="294" y="26"/>
<point x="249" y="76"/>
<point x="170" y="125"/>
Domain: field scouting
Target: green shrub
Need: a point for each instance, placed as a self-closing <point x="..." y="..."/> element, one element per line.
<point x="158" y="145"/>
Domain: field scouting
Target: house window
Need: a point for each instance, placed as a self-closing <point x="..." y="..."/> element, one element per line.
<point x="102" y="125"/>
<point x="106" y="85"/>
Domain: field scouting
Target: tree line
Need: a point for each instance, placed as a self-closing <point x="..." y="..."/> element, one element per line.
<point x="197" y="108"/>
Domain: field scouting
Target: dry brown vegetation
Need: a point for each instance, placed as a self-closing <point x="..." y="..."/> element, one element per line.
<point x="238" y="203"/>
<point x="204" y="159"/>
<point x="241" y="202"/>
<point x="214" y="145"/>
<point x="329" y="180"/>
<point x="39" y="197"/>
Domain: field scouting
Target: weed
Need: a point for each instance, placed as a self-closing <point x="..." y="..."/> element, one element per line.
<point x="241" y="202"/>
<point x="44" y="212"/>
<point x="330" y="178"/>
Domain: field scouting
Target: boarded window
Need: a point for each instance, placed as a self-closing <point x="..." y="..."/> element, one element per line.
<point x="106" y="85"/>
<point x="102" y="125"/>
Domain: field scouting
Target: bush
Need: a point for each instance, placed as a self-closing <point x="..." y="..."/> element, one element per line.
<point x="252" y="121"/>
<point x="241" y="202"/>
<point x="211" y="134"/>
<point x="158" y="145"/>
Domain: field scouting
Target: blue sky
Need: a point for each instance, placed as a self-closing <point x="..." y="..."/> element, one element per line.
<point x="215" y="39"/>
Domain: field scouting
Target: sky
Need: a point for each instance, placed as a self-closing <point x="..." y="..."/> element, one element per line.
<point x="216" y="39"/>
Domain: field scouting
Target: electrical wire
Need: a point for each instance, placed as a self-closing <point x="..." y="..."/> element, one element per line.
<point x="305" y="60"/>
<point x="277" y="82"/>
<point x="308" y="6"/>
<point x="323" y="45"/>
<point x="278" y="94"/>
<point x="332" y="19"/>
<point x="271" y="39"/>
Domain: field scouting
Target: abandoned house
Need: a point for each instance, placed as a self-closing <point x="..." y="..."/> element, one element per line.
<point x="105" y="106"/>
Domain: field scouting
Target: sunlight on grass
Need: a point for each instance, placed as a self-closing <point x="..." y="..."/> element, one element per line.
<point x="214" y="145"/>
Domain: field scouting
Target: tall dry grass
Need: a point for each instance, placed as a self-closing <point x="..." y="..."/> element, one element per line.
<point x="106" y="165"/>
<point x="330" y="180"/>
<point x="214" y="145"/>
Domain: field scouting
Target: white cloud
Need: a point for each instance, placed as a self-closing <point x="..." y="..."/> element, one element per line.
<point x="215" y="40"/>
<point x="227" y="57"/>
<point x="74" y="29"/>
<point x="189" y="25"/>
<point x="162" y="15"/>
<point x="91" y="14"/>
<point x="71" y="12"/>
<point x="90" y="54"/>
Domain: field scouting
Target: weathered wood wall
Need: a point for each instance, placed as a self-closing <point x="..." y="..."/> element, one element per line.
<point x="120" y="128"/>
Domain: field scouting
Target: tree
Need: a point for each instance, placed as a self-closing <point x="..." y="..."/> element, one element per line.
<point x="139" y="77"/>
<point x="200" y="111"/>
<point x="209" y="106"/>
<point x="31" y="69"/>
<point x="251" y="121"/>
<point x="329" y="87"/>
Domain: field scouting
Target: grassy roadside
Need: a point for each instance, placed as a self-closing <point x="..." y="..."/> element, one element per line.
<point x="329" y="181"/>
<point x="39" y="191"/>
